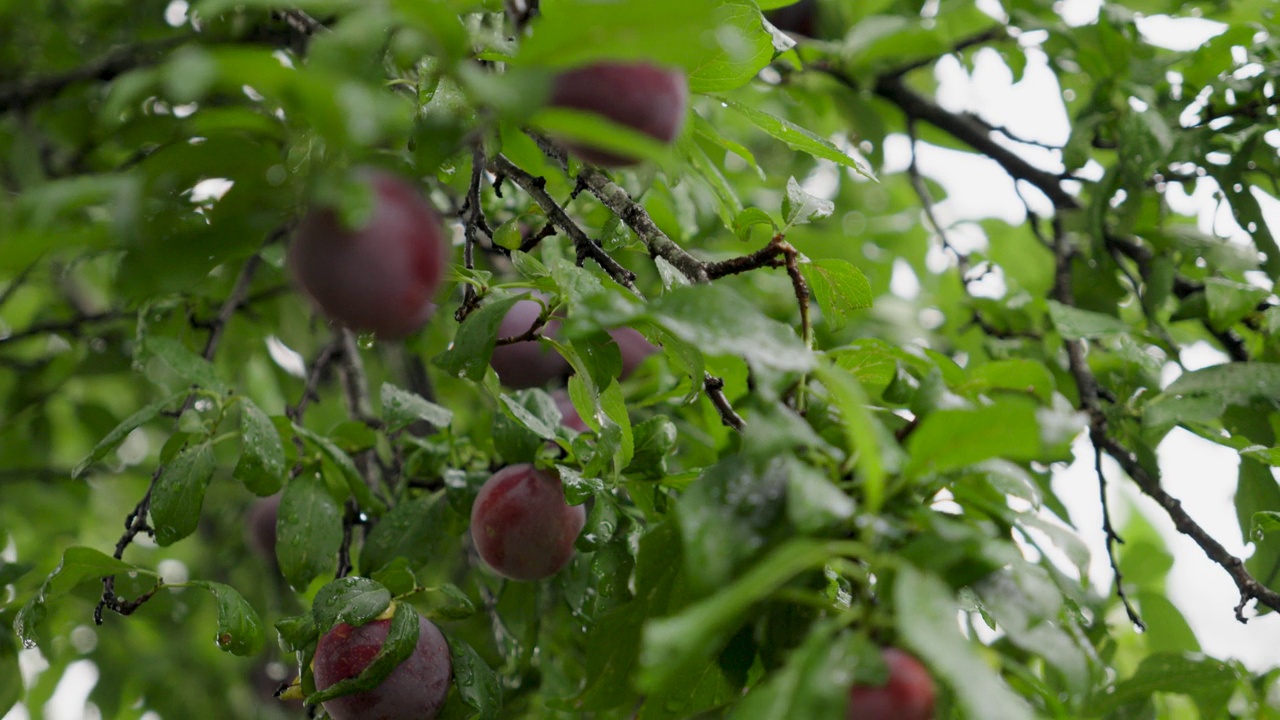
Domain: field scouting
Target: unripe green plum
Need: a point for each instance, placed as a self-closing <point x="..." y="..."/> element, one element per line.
<point x="647" y="98"/>
<point x="415" y="690"/>
<point x="530" y="363"/>
<point x="908" y="695"/>
<point x="521" y="525"/>
<point x="379" y="277"/>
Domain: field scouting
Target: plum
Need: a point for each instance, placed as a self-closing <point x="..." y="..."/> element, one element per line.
<point x="529" y="363"/>
<point x="379" y="277"/>
<point x="633" y="346"/>
<point x="521" y="525"/>
<point x="260" y="526"/>
<point x="908" y="694"/>
<point x="415" y="690"/>
<point x="647" y="98"/>
<point x="568" y="413"/>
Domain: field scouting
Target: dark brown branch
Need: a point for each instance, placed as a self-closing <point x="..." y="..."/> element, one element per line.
<point x="73" y="325"/>
<point x="971" y="130"/>
<point x="473" y="224"/>
<point x="714" y="388"/>
<point x="632" y="213"/>
<point x="319" y="366"/>
<point x="585" y="246"/>
<point x="998" y="32"/>
<point x="1248" y="586"/>
<point x="1113" y="538"/>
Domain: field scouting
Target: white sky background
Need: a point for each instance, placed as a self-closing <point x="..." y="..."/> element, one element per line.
<point x="1199" y="473"/>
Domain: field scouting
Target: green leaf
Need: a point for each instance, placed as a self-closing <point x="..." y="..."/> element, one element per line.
<point x="11" y="689"/>
<point x="676" y="646"/>
<point x="867" y="439"/>
<point x="814" y="503"/>
<point x="576" y="32"/>
<point x="297" y="632"/>
<point x="839" y="287"/>
<point x="734" y="511"/>
<point x="801" y="208"/>
<point x="9" y="572"/>
<point x="597" y="132"/>
<point x="1229" y="383"/>
<point x="749" y="218"/>
<point x="744" y="49"/>
<point x="1229" y="302"/>
<point x="350" y="473"/>
<point x="534" y="410"/>
<point x="240" y="629"/>
<point x="1209" y="682"/>
<point x="308" y="530"/>
<point x="401" y="408"/>
<point x="815" y="681"/>
<point x="121" y="431"/>
<point x="798" y="138"/>
<point x="948" y="440"/>
<point x="79" y="565"/>
<point x="416" y="529"/>
<point x="262" y="462"/>
<point x="179" y="493"/>
<point x="1026" y="376"/>
<point x="925" y="614"/>
<point x="402" y="638"/>
<point x="1028" y="607"/>
<point x="718" y="321"/>
<point x="477" y="685"/>
<point x="473" y="345"/>
<point x="351" y="600"/>
<point x="182" y="362"/>
<point x="1075" y="324"/>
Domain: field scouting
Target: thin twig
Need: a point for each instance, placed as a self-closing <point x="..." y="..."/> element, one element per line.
<point x="473" y="224"/>
<point x="1112" y="538"/>
<point x="585" y="246"/>
<point x="714" y="388"/>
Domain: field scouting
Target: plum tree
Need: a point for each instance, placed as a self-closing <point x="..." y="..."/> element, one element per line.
<point x="907" y="695"/>
<point x="527" y="363"/>
<point x="521" y="525"/>
<point x="416" y="689"/>
<point x="379" y="277"/>
<point x="645" y="97"/>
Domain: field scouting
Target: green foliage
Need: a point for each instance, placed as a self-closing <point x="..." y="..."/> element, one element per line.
<point x="813" y="465"/>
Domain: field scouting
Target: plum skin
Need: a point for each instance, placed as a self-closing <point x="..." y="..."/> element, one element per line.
<point x="416" y="689"/>
<point x="908" y="695"/>
<point x="569" y="416"/>
<point x="529" y="363"/>
<point x="633" y="346"/>
<point x="382" y="276"/>
<point x="260" y="526"/>
<point x="521" y="525"/>
<point x="645" y="97"/>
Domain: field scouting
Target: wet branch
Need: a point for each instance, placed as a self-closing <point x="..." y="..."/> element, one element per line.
<point x="585" y="246"/>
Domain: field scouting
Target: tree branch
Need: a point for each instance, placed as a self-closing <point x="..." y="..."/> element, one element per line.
<point x="585" y="246"/>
